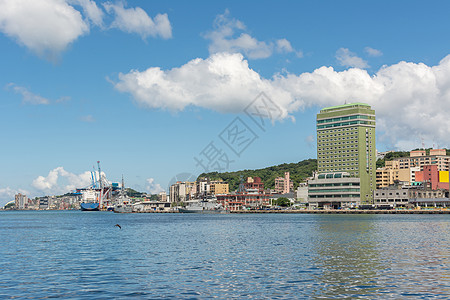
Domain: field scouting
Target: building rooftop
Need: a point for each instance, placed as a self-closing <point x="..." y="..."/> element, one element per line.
<point x="344" y="106"/>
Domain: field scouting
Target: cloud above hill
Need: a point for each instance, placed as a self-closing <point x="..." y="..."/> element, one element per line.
<point x="410" y="99"/>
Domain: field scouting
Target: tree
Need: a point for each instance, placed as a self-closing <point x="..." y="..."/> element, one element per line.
<point x="283" y="202"/>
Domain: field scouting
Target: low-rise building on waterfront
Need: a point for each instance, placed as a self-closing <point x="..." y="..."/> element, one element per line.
<point x="396" y="196"/>
<point x="334" y="190"/>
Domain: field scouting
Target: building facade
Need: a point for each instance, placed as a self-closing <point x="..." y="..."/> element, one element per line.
<point x="438" y="180"/>
<point x="418" y="158"/>
<point x="219" y="187"/>
<point x="346" y="143"/>
<point x="334" y="190"/>
<point x="21" y="201"/>
<point x="284" y="185"/>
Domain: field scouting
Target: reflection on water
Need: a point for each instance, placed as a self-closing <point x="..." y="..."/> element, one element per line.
<point x="83" y="256"/>
<point x="347" y="256"/>
<point x="382" y="256"/>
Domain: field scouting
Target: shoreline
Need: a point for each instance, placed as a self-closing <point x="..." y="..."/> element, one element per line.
<point x="350" y="211"/>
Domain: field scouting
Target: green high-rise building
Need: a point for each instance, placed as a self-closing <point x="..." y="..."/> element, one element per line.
<point x="346" y="143"/>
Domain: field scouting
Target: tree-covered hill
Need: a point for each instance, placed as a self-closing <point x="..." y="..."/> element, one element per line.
<point x="298" y="172"/>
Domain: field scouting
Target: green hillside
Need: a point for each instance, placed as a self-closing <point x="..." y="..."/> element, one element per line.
<point x="298" y="172"/>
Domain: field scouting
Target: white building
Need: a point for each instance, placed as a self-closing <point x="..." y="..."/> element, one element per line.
<point x="21" y="201"/>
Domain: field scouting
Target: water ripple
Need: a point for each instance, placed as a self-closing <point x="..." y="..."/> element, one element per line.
<point x="75" y="255"/>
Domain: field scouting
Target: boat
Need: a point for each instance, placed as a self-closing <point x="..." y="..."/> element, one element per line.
<point x="97" y="195"/>
<point x="203" y="206"/>
<point x="123" y="208"/>
<point x="123" y="204"/>
<point x="89" y="200"/>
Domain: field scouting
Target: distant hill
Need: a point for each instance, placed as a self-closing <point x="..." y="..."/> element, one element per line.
<point x="298" y="172"/>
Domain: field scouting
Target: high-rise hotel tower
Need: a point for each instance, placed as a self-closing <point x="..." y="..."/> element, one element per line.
<point x="346" y="143"/>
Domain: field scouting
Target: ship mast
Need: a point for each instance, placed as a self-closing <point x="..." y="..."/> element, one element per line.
<point x="101" y="184"/>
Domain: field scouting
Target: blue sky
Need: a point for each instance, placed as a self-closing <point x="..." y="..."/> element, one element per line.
<point x="146" y="86"/>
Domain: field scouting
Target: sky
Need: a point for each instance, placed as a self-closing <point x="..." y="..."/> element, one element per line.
<point x="161" y="91"/>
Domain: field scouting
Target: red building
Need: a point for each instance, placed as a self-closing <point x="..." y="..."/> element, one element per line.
<point x="430" y="174"/>
<point x="239" y="201"/>
<point x="254" y="183"/>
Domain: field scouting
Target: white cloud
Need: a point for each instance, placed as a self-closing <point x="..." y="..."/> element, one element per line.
<point x="28" y="97"/>
<point x="284" y="46"/>
<point x="46" y="27"/>
<point x="91" y="11"/>
<point x="34" y="99"/>
<point x="349" y="59"/>
<point x="410" y="99"/>
<point x="224" y="39"/>
<point x="222" y="82"/>
<point x="152" y="187"/>
<point x="373" y="52"/>
<point x="60" y="181"/>
<point x="136" y="20"/>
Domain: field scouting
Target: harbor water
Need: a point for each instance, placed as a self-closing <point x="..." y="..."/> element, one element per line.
<point x="83" y="255"/>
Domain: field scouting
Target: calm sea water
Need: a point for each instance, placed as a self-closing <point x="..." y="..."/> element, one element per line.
<point x="82" y="255"/>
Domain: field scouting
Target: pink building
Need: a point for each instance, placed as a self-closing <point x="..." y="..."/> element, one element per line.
<point x="281" y="185"/>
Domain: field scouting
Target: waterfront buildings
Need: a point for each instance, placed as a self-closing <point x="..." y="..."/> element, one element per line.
<point x="284" y="185"/>
<point x="21" y="201"/>
<point x="162" y="196"/>
<point x="181" y="191"/>
<point x="334" y="190"/>
<point x="302" y="192"/>
<point x="254" y="183"/>
<point x="436" y="179"/>
<point x="219" y="187"/>
<point x="418" y="158"/>
<point x="346" y="144"/>
<point x="422" y="196"/>
<point x="250" y="199"/>
<point x="417" y="167"/>
<point x="185" y="190"/>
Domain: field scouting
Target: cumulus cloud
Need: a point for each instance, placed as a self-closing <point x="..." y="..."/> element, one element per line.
<point x="373" y="52"/>
<point x="46" y="27"/>
<point x="136" y="20"/>
<point x="60" y="181"/>
<point x="152" y="187"/>
<point x="410" y="99"/>
<point x="223" y="82"/>
<point x="347" y="58"/>
<point x="226" y="38"/>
